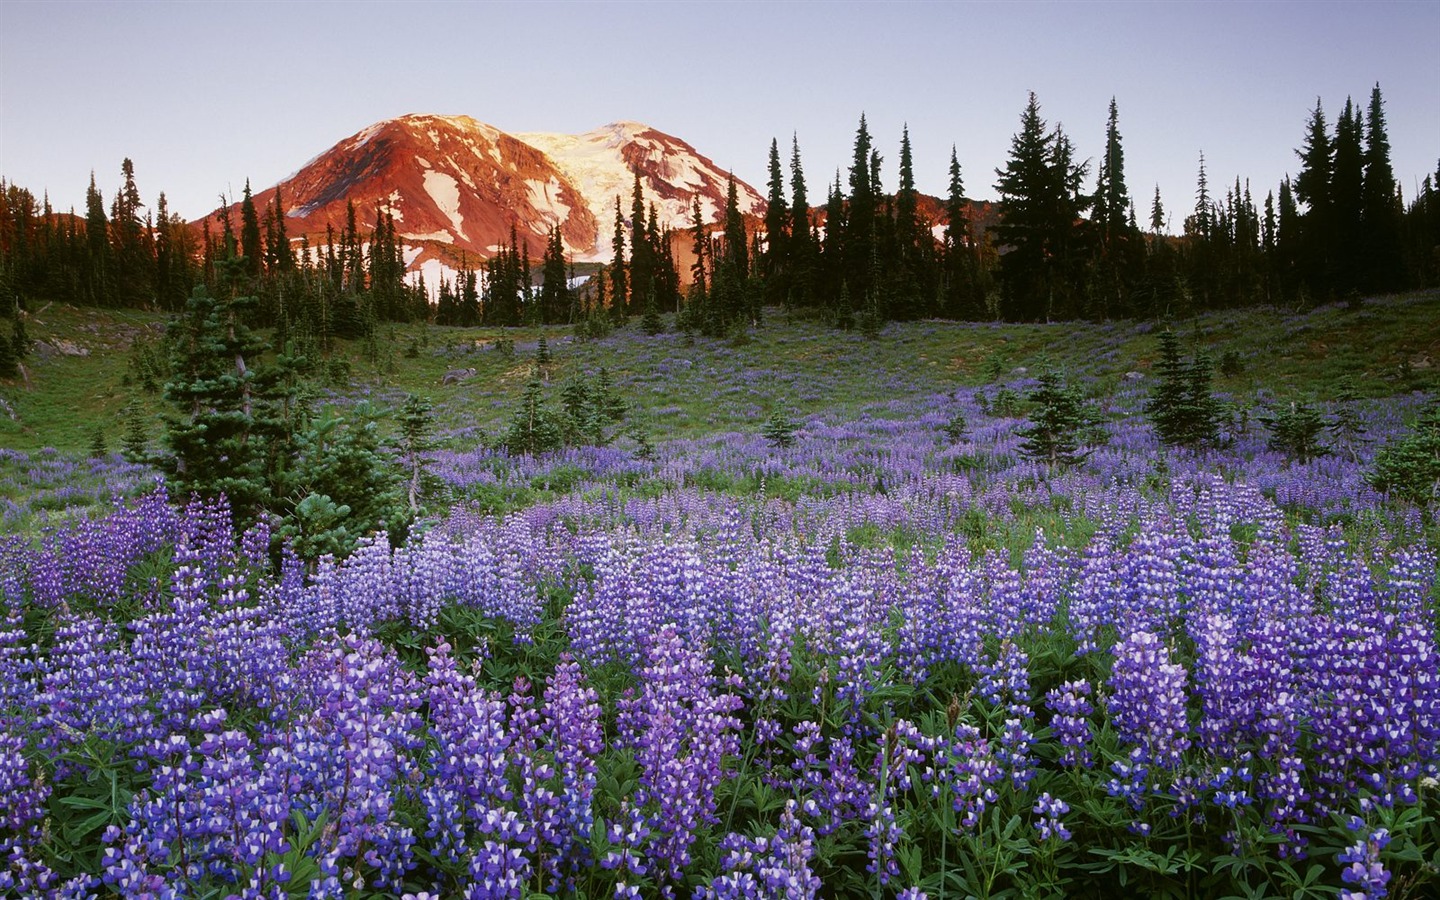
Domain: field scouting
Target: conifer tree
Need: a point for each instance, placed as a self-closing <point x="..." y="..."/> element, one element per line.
<point x="417" y="426"/>
<point x="736" y="242"/>
<point x="1182" y="407"/>
<point x="913" y="282"/>
<point x="857" y="240"/>
<point x="554" y="292"/>
<point x="619" y="281"/>
<point x="234" y="414"/>
<point x="97" y="245"/>
<point x="642" y="252"/>
<point x="1409" y="466"/>
<point x="775" y="264"/>
<point x="1313" y="188"/>
<point x="1380" y="213"/>
<point x="961" y="300"/>
<point x="279" y="256"/>
<point x="699" y="242"/>
<point x="1295" y="430"/>
<point x="801" y="243"/>
<point x="131" y="248"/>
<point x="1347" y="193"/>
<point x="779" y="429"/>
<point x="1040" y="207"/>
<point x="250" y="244"/>
<point x="1061" y="425"/>
<point x="534" y="429"/>
<point x="1112" y="197"/>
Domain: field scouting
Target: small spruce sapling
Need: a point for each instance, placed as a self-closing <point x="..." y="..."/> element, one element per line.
<point x="534" y="428"/>
<point x="1182" y="408"/>
<point x="779" y="430"/>
<point x="1409" y="467"/>
<point x="98" y="449"/>
<point x="954" y="427"/>
<point x="1062" y="426"/>
<point x="1347" y="428"/>
<point x="417" y="426"/>
<point x="1295" y="431"/>
<point x="135" y="446"/>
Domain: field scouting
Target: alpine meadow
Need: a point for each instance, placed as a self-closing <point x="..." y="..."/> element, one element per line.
<point x="491" y="515"/>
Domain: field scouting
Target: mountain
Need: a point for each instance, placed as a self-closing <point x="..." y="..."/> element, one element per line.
<point x="455" y="186"/>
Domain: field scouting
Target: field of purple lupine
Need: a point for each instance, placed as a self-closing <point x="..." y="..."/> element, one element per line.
<point x="891" y="660"/>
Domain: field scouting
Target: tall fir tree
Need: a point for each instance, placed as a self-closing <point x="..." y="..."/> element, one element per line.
<point x="961" y="294"/>
<point x="132" y="250"/>
<point x="775" y="264"/>
<point x="1112" y="196"/>
<point x="1040" y="209"/>
<point x="619" y="275"/>
<point x="913" y="277"/>
<point x="737" y="243"/>
<point x="1380" y="211"/>
<point x="1347" y="193"/>
<point x="857" y="240"/>
<point x="97" y="245"/>
<point x="1312" y="188"/>
<point x="801" y="242"/>
<point x="251" y="247"/>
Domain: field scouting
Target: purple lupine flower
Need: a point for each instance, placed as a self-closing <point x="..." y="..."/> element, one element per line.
<point x="1365" y="871"/>
<point x="1071" y="708"/>
<point x="1048" y="811"/>
<point x="1147" y="700"/>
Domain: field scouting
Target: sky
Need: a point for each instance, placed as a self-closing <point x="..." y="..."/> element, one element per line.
<point x="203" y="95"/>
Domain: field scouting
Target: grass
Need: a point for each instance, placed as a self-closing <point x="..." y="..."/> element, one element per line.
<point x="691" y="389"/>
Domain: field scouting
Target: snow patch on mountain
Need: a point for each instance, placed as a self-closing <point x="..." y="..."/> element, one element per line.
<point x="445" y="191"/>
<point x="545" y="197"/>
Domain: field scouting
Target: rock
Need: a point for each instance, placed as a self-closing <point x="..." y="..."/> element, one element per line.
<point x="1134" y="376"/>
<point x="455" y="376"/>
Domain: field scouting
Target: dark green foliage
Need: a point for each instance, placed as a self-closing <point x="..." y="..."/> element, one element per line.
<point x="98" y="449"/>
<point x="347" y="485"/>
<point x="960" y="294"/>
<point x="651" y="323"/>
<point x="554" y="290"/>
<point x="775" y="263"/>
<point x="9" y="357"/>
<point x="416" y="439"/>
<point x="1041" y="204"/>
<point x="250" y="246"/>
<point x="1346" y="428"/>
<point x="1063" y="427"/>
<point x="780" y="427"/>
<point x="1381" y="215"/>
<point x="644" y="448"/>
<point x="135" y="446"/>
<point x="149" y="365"/>
<point x="535" y="428"/>
<point x="1295" y="430"/>
<point x="234" y="413"/>
<point x="954" y="427"/>
<point x="1409" y="468"/>
<point x="1182" y="408"/>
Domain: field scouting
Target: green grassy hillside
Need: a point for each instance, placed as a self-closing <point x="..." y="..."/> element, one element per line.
<point x="86" y="367"/>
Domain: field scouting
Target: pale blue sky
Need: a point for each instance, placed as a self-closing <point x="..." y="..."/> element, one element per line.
<point x="202" y="95"/>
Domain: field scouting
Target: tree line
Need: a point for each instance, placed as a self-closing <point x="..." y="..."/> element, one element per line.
<point x="1064" y="246"/>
